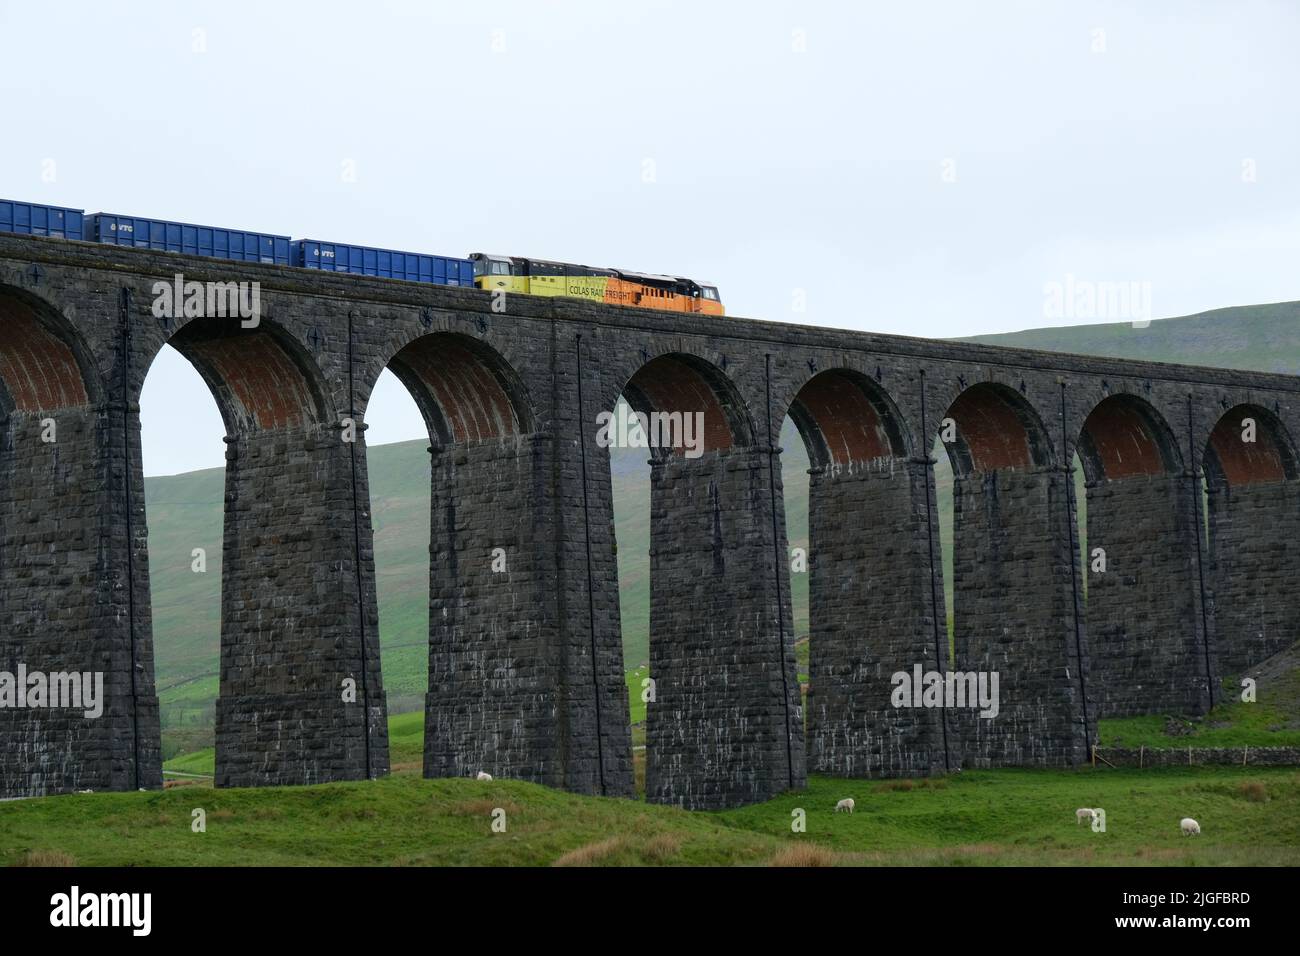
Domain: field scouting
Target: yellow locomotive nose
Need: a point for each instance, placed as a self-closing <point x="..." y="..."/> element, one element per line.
<point x="495" y="273"/>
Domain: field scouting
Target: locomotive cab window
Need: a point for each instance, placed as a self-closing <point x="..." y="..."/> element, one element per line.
<point x="711" y="293"/>
<point x="491" y="267"/>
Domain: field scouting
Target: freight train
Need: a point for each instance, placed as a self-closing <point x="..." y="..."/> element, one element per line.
<point x="490" y="272"/>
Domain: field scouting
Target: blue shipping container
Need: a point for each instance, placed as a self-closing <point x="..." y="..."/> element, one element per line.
<point x="188" y="239"/>
<point x="33" y="219"/>
<point x="384" y="263"/>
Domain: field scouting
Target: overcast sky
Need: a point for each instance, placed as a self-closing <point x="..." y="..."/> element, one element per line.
<point x="909" y="167"/>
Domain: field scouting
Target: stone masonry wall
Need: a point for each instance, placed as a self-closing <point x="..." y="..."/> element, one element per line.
<point x="54" y="521"/>
<point x="726" y="725"/>
<point x="590" y="603"/>
<point x="870" y="597"/>
<point x="1255" y="546"/>
<point x="1146" y="638"/>
<point x="1202" y="757"/>
<point x="496" y="689"/>
<point x="290" y="630"/>
<point x="1013" y="614"/>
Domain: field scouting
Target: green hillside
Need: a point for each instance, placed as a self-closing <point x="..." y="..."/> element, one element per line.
<point x="1261" y="338"/>
<point x="184" y="512"/>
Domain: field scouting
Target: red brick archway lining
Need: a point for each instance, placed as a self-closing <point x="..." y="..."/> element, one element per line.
<point x="254" y="371"/>
<point x="1121" y="440"/>
<point x="848" y="423"/>
<point x="669" y="384"/>
<point x="991" y="430"/>
<point x="1265" y="459"/>
<point x="38" y="369"/>
<point x="469" y="396"/>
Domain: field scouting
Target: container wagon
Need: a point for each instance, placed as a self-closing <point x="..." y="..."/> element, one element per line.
<point x="188" y="238"/>
<point x="34" y="219"/>
<point x="384" y="263"/>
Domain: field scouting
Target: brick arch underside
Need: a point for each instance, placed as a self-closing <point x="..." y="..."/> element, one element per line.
<point x="1238" y="462"/>
<point x="1120" y="440"/>
<point x="258" y="383"/>
<point x="996" y="429"/>
<point x="842" y="423"/>
<point x="669" y="384"/>
<point x="464" y="396"/>
<point x="38" y="370"/>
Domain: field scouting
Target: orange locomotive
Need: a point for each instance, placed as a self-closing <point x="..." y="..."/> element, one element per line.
<point x="613" y="286"/>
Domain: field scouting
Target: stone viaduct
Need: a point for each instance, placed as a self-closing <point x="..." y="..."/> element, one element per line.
<point x="526" y="676"/>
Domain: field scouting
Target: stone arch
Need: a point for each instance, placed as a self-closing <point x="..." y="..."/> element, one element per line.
<point x="1146" y="630"/>
<point x="724" y="728"/>
<point x="678" y="382"/>
<point x="465" y="389"/>
<point x="1254" y="511"/>
<point x="1124" y="437"/>
<point x="997" y="429"/>
<point x="262" y="378"/>
<point x="845" y="418"/>
<point x="60" y="520"/>
<point x="1231" y="460"/>
<point x="493" y="700"/>
<point x="869" y="551"/>
<point x="43" y="361"/>
<point x="1013" y="548"/>
<point x="288" y="638"/>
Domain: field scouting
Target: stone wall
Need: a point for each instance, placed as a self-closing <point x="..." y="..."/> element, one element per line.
<point x="870" y="599"/>
<point x="1255" y="547"/>
<point x="1014" y="615"/>
<point x="496" y="699"/>
<point x="1146" y="637"/>
<point x="291" y="616"/>
<point x="726" y="725"/>
<point x="64" y="605"/>
<point x="1202" y="756"/>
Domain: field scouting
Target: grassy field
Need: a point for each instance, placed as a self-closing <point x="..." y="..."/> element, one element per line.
<point x="1248" y="817"/>
<point x="1272" y="720"/>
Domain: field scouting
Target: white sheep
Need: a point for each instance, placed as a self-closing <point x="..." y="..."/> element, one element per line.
<point x="484" y="776"/>
<point x="845" y="804"/>
<point x="1190" y="827"/>
<point x="1084" y="813"/>
<point x="85" y="791"/>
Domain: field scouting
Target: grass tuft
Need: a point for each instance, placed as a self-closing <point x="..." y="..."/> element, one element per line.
<point x="45" y="858"/>
<point x="803" y="854"/>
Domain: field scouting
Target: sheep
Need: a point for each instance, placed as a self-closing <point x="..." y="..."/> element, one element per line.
<point x="483" y="776"/>
<point x="1190" y="827"/>
<point x="1084" y="813"/>
<point x="85" y="791"/>
<point x="845" y="804"/>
